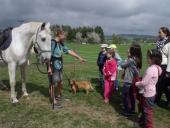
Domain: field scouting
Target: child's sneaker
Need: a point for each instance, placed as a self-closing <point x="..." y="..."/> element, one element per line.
<point x="141" y="123"/>
<point x="58" y="106"/>
<point x="126" y="114"/>
<point x="58" y="98"/>
<point x="106" y="101"/>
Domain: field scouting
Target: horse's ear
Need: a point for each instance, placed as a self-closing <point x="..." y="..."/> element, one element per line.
<point x="43" y="26"/>
<point x="47" y="25"/>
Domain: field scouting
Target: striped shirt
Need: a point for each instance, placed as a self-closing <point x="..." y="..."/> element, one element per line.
<point x="161" y="43"/>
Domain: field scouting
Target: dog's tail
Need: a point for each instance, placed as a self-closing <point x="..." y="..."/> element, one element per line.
<point x="91" y="87"/>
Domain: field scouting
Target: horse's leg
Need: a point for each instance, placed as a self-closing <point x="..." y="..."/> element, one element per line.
<point x="12" y="74"/>
<point x="23" y="79"/>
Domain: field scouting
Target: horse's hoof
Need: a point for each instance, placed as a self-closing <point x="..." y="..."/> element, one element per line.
<point x="26" y="96"/>
<point x="14" y="101"/>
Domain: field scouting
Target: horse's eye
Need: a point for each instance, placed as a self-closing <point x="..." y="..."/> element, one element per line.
<point x="43" y="39"/>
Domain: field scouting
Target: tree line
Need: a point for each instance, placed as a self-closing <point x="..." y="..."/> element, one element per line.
<point x="83" y="34"/>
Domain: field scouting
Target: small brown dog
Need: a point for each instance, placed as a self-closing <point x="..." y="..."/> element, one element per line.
<point x="76" y="85"/>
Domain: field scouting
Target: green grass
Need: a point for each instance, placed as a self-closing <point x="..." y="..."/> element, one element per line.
<point x="81" y="111"/>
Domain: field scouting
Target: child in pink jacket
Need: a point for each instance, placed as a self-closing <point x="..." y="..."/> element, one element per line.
<point x="148" y="85"/>
<point x="110" y="74"/>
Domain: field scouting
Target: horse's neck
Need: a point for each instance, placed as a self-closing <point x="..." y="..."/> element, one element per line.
<point x="33" y="26"/>
<point x="29" y="29"/>
<point x="27" y="32"/>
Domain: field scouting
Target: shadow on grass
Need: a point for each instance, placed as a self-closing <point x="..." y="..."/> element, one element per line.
<point x="163" y="104"/>
<point x="31" y="87"/>
<point x="98" y="87"/>
<point x="116" y="102"/>
<point x="116" y="99"/>
<point x="6" y="86"/>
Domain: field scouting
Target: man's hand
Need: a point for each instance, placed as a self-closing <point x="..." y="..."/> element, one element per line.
<point x="49" y="69"/>
<point x="72" y="53"/>
<point x="82" y="60"/>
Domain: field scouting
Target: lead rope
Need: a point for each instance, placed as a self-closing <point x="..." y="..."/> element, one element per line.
<point x="74" y="69"/>
<point x="51" y="87"/>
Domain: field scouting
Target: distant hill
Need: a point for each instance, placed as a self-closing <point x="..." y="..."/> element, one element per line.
<point x="108" y="37"/>
<point x="134" y="36"/>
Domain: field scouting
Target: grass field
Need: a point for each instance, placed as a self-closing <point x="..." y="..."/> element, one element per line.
<point x="81" y="111"/>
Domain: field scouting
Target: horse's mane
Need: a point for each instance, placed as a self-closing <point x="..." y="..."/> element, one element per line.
<point x="33" y="25"/>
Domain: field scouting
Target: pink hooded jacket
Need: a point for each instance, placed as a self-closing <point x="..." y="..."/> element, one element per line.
<point x="149" y="80"/>
<point x="110" y="70"/>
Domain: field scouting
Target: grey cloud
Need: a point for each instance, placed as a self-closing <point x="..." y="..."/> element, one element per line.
<point x="115" y="16"/>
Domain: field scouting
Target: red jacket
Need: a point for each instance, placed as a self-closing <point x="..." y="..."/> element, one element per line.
<point x="110" y="70"/>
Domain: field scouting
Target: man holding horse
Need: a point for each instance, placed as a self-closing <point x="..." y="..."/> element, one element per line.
<point x="57" y="49"/>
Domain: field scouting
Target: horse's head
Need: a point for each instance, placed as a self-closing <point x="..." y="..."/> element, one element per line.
<point x="42" y="43"/>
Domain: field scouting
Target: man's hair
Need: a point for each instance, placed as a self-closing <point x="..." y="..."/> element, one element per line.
<point x="60" y="32"/>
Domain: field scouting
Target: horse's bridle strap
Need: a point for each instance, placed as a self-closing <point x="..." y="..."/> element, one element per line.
<point x="38" y="49"/>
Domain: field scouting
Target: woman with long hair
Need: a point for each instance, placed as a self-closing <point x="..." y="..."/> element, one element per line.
<point x="162" y="85"/>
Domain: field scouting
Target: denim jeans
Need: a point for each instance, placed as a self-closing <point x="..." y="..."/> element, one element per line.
<point x="147" y="111"/>
<point x="126" y="97"/>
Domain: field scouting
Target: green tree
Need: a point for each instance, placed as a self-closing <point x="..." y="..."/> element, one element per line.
<point x="99" y="30"/>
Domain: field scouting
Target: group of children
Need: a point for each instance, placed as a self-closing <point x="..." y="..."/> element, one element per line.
<point x="134" y="87"/>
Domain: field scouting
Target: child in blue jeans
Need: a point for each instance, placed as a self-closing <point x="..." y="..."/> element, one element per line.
<point x="131" y="70"/>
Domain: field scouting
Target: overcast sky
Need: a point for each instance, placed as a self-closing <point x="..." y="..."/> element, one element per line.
<point x="115" y="16"/>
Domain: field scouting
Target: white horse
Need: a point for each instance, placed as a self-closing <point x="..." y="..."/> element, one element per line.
<point x="24" y="37"/>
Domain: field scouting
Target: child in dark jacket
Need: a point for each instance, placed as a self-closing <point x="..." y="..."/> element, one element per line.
<point x="100" y="62"/>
